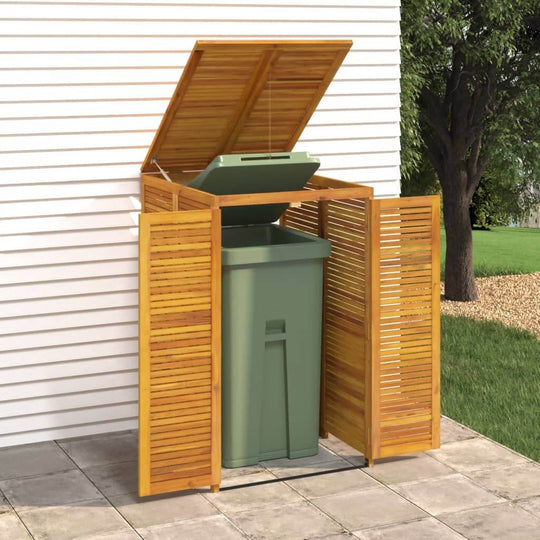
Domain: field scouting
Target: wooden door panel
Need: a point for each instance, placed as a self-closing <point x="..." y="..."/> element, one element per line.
<point x="179" y="351"/>
<point x="406" y="325"/>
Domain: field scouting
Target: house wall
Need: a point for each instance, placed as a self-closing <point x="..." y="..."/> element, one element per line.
<point x="83" y="86"/>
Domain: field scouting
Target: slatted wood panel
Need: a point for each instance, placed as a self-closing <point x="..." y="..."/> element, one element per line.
<point x="344" y="349"/>
<point x="406" y="332"/>
<point x="180" y="342"/>
<point x="238" y="97"/>
<point x="157" y="197"/>
<point x="345" y="343"/>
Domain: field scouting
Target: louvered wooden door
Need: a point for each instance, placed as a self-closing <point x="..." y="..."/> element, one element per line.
<point x="180" y="347"/>
<point x="405" y="349"/>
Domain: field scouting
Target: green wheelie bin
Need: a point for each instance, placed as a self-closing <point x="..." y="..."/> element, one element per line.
<point x="272" y="289"/>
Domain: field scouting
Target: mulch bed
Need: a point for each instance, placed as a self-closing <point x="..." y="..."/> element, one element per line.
<point x="513" y="300"/>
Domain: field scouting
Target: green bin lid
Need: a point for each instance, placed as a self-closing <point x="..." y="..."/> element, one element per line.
<point x="255" y="173"/>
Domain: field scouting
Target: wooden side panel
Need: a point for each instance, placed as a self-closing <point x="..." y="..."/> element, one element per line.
<point x="405" y="341"/>
<point x="193" y="199"/>
<point x="179" y="351"/>
<point x="345" y="343"/>
<point x="344" y="358"/>
<point x="158" y="195"/>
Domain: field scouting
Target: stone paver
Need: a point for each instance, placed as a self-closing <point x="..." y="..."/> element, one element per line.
<point x="332" y="484"/>
<point x="465" y="486"/>
<point x="49" y="490"/>
<point x="102" y="450"/>
<point x="422" y="529"/>
<point x="368" y="508"/>
<point x="532" y="505"/>
<point x="213" y="528"/>
<point x="70" y="522"/>
<point x="323" y="461"/>
<point x="451" y="431"/>
<point x="149" y="511"/>
<point x="115" y="478"/>
<point x="249" y="498"/>
<point x="407" y="468"/>
<point x="244" y="475"/>
<point x="245" y="479"/>
<point x="4" y="505"/>
<point x="503" y="521"/>
<point x="118" y="535"/>
<point x="446" y="494"/>
<point x="476" y="454"/>
<point x="512" y="482"/>
<point x="340" y="536"/>
<point x="293" y="522"/>
<point x="287" y="471"/>
<point x="343" y="450"/>
<point x="33" y="459"/>
<point x="11" y="527"/>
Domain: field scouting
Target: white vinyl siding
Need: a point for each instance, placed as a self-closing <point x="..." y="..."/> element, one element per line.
<point x="83" y="86"/>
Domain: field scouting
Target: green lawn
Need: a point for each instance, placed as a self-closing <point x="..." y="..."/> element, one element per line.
<point x="489" y="381"/>
<point x="503" y="250"/>
<point x="490" y="373"/>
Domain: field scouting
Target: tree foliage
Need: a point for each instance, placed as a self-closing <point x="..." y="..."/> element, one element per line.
<point x="471" y="109"/>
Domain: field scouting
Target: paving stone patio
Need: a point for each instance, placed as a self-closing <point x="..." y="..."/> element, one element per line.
<point x="85" y="489"/>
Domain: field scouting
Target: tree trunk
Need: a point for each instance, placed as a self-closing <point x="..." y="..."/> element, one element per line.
<point x="459" y="274"/>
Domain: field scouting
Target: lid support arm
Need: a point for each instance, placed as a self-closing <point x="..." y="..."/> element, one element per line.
<point x="163" y="173"/>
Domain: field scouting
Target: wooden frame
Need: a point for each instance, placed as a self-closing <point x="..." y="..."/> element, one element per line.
<point x="380" y="351"/>
<point x="179" y="194"/>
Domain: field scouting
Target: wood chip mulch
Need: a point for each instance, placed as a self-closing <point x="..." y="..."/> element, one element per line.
<point x="513" y="300"/>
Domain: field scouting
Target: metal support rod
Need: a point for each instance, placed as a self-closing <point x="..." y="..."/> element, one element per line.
<point x="163" y="173"/>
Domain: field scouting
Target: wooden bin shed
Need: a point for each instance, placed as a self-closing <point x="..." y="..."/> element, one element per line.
<point x="380" y="347"/>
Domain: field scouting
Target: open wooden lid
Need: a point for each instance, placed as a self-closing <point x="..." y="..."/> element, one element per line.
<point x="243" y="97"/>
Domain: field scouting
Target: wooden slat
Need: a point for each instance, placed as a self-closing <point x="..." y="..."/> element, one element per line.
<point x="320" y="182"/>
<point x="216" y="350"/>
<point x="436" y="325"/>
<point x="179" y="357"/>
<point x="373" y="335"/>
<point x="291" y="196"/>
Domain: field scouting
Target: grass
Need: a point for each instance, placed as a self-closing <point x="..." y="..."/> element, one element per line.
<point x="490" y="372"/>
<point x="502" y="251"/>
<point x="489" y="381"/>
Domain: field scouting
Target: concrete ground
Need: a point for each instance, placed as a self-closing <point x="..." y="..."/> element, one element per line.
<point x="85" y="488"/>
